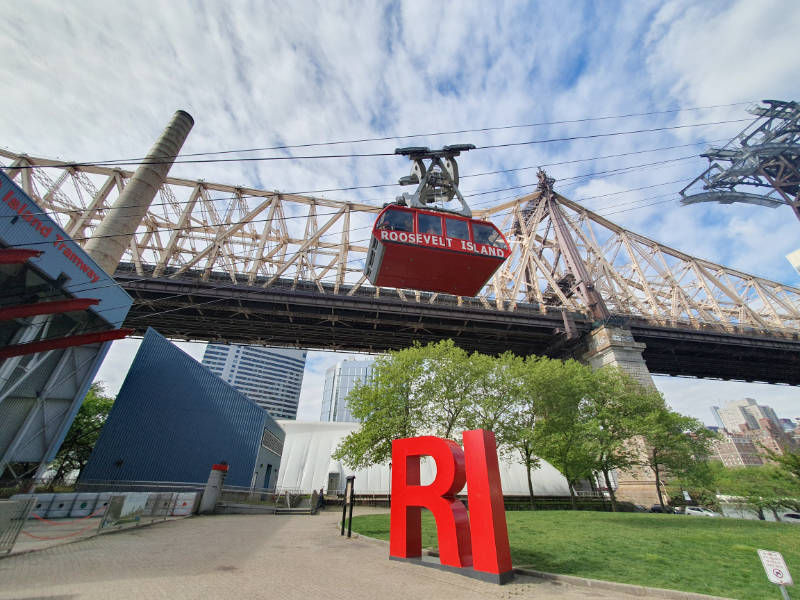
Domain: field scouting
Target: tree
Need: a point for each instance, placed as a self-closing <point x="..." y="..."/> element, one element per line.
<point x="83" y="433"/>
<point x="513" y="407"/>
<point x="767" y="487"/>
<point x="789" y="461"/>
<point x="615" y="407"/>
<point x="437" y="389"/>
<point x="389" y="407"/>
<point x="562" y="432"/>
<point x="677" y="445"/>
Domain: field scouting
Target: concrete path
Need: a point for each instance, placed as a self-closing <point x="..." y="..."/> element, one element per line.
<point x="249" y="556"/>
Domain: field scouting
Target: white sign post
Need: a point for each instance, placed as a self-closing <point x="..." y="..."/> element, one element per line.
<point x="776" y="570"/>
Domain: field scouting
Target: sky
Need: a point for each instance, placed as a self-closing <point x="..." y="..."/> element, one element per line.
<point x="92" y="81"/>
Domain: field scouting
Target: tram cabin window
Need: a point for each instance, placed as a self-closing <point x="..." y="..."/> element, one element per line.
<point x="430" y="224"/>
<point x="457" y="229"/>
<point x="483" y="234"/>
<point x="397" y="220"/>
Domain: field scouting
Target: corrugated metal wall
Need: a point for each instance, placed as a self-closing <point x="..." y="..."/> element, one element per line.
<point x="173" y="419"/>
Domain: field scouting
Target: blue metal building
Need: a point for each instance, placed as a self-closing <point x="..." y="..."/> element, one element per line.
<point x="173" y="419"/>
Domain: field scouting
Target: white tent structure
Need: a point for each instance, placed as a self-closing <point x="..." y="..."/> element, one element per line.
<point x="306" y="465"/>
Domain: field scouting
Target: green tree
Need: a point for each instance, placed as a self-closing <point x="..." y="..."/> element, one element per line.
<point x="767" y="487"/>
<point x="389" y="406"/>
<point x="676" y="445"/>
<point x="449" y="386"/>
<point x="789" y="460"/>
<point x="437" y="389"/>
<point x="562" y="431"/>
<point x="615" y="408"/>
<point x="513" y="406"/>
<point x="83" y="433"/>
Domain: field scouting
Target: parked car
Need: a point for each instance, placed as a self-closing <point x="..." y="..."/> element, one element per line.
<point x="657" y="508"/>
<point x="791" y="518"/>
<point x="699" y="511"/>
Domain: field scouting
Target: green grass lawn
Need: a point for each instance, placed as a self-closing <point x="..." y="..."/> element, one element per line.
<point x="695" y="554"/>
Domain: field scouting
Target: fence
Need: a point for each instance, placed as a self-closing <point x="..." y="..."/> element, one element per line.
<point x="244" y="499"/>
<point x="13" y="514"/>
<point x="137" y="508"/>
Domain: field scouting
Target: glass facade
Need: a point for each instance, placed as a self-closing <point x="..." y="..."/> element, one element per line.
<point x="271" y="377"/>
<point x="340" y="379"/>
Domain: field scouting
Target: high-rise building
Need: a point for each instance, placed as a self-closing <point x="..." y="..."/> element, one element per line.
<point x="737" y="451"/>
<point x="271" y="377"/>
<point x="746" y="423"/>
<point x="741" y="415"/>
<point x="340" y="379"/>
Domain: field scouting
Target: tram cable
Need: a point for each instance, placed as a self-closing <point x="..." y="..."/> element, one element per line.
<point x="379" y="154"/>
<point x="438" y="133"/>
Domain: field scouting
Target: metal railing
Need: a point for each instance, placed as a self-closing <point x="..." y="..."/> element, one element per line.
<point x="104" y="485"/>
<point x="13" y="514"/>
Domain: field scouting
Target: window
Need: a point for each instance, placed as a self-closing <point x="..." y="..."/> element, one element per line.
<point x="486" y="234"/>
<point x="457" y="229"/>
<point x="397" y="220"/>
<point x="431" y="224"/>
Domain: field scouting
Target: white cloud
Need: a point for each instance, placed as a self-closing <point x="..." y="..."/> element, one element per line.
<point x="99" y="80"/>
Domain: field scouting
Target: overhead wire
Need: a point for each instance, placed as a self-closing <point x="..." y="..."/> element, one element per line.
<point x="394" y="184"/>
<point x="380" y="154"/>
<point x="441" y="133"/>
<point x="284" y="218"/>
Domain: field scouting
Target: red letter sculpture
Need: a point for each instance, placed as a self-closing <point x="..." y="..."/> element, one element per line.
<point x="408" y="497"/>
<point x="481" y="539"/>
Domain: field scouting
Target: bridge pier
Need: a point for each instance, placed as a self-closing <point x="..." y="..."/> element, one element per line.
<point x="614" y="346"/>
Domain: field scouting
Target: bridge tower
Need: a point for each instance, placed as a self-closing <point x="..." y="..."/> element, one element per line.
<point x="610" y="342"/>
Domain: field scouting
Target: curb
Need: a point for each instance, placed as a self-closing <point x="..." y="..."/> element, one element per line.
<point x="599" y="584"/>
<point x="627" y="588"/>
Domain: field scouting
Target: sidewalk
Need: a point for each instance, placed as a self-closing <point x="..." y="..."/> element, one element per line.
<point x="250" y="556"/>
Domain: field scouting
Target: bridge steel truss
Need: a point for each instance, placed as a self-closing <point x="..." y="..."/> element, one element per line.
<point x="764" y="156"/>
<point x="225" y="263"/>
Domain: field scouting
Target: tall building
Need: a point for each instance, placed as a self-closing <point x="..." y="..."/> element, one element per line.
<point x="271" y="377"/>
<point x="340" y="379"/>
<point x="750" y="428"/>
<point x="741" y="415"/>
<point x="737" y="451"/>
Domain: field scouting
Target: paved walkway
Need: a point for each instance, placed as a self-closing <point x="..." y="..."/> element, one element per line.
<point x="248" y="556"/>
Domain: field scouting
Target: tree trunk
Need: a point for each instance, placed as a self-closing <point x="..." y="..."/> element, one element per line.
<point x="528" y="466"/>
<point x="761" y="516"/>
<point x="610" y="490"/>
<point x="658" y="480"/>
<point x="775" y="514"/>
<point x="572" y="496"/>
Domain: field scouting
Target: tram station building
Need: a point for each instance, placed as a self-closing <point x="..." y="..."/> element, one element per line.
<point x="58" y="314"/>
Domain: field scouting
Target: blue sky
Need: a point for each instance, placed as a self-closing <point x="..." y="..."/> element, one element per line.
<point x="99" y="80"/>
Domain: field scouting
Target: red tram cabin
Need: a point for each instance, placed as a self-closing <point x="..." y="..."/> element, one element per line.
<point x="433" y="251"/>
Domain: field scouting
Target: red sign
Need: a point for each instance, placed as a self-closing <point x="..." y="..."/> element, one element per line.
<point x="478" y="539"/>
